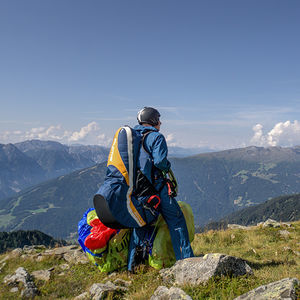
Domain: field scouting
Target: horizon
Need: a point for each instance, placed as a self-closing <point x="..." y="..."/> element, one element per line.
<point x="224" y="75"/>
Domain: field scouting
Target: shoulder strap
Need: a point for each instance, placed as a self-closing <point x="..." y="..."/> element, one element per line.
<point x="143" y="139"/>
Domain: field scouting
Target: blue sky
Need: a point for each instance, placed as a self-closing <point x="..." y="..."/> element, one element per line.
<point x="223" y="74"/>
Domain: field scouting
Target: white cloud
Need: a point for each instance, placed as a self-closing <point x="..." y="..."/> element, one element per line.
<point x="282" y="134"/>
<point x="171" y="140"/>
<point x="89" y="134"/>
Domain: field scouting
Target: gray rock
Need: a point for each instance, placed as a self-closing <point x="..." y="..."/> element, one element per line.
<point x="21" y="275"/>
<point x="82" y="296"/>
<point x="196" y="270"/>
<point x="282" y="289"/>
<point x="284" y="233"/>
<point x="14" y="290"/>
<point x="122" y="282"/>
<point x="174" y="293"/>
<point x="30" y="290"/>
<point x="15" y="253"/>
<point x="237" y="226"/>
<point x="76" y="256"/>
<point x="72" y="254"/>
<point x="41" y="275"/>
<point x="100" y="290"/>
<point x="64" y="267"/>
<point x="271" y="223"/>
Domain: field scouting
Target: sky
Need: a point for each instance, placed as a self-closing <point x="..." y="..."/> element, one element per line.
<point x="223" y="74"/>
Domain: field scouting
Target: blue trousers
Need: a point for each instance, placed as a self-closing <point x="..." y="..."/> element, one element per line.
<point x="175" y="220"/>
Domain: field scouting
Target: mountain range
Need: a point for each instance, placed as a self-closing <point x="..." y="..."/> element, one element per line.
<point x="27" y="163"/>
<point x="283" y="208"/>
<point x="214" y="184"/>
<point x="34" y="161"/>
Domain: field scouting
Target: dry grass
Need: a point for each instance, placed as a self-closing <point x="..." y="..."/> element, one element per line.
<point x="271" y="256"/>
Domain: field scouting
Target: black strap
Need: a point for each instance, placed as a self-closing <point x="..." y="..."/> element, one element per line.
<point x="143" y="139"/>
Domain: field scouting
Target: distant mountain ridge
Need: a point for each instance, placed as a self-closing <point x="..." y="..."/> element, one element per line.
<point x="283" y="208"/>
<point x="27" y="163"/>
<point x="17" y="170"/>
<point x="21" y="238"/>
<point x="214" y="184"/>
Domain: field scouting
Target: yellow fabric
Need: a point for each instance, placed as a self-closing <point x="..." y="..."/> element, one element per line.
<point x="92" y="215"/>
<point x="114" y="255"/>
<point x="115" y="159"/>
<point x="141" y="221"/>
<point x="163" y="255"/>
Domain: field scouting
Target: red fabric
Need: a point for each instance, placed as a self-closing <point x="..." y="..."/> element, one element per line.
<point x="99" y="236"/>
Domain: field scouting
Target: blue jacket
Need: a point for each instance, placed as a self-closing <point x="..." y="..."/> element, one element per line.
<point x="154" y="143"/>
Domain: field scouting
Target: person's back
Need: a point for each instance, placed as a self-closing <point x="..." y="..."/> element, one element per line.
<point x="154" y="164"/>
<point x="136" y="188"/>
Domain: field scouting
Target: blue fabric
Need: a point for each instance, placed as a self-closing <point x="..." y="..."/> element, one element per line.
<point x="140" y="237"/>
<point x="84" y="229"/>
<point x="155" y="143"/>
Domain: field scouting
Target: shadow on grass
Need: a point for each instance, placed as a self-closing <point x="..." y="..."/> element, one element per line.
<point x="272" y="263"/>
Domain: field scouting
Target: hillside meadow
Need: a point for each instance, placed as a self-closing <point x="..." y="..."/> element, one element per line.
<point x="271" y="254"/>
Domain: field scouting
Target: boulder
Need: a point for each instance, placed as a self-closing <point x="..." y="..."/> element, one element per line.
<point x="71" y="254"/>
<point x="82" y="296"/>
<point x="282" y="289"/>
<point x="21" y="275"/>
<point x="270" y="223"/>
<point x="41" y="275"/>
<point x="237" y="226"/>
<point x="284" y="233"/>
<point x="196" y="270"/>
<point x="173" y="293"/>
<point x="100" y="290"/>
<point x="15" y="253"/>
<point x="121" y="282"/>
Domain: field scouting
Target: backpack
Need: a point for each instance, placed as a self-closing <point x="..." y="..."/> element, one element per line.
<point x="114" y="251"/>
<point x="127" y="198"/>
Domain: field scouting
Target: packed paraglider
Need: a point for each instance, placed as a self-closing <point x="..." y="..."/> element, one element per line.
<point x="136" y="218"/>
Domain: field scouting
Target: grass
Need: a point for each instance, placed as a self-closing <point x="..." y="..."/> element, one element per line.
<point x="271" y="256"/>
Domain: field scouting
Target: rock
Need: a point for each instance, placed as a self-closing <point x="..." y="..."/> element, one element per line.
<point x="30" y="290"/>
<point x="196" y="270"/>
<point x="100" y="290"/>
<point x="72" y="254"/>
<point x="282" y="289"/>
<point x="21" y="275"/>
<point x="271" y="223"/>
<point x="77" y="256"/>
<point x="174" y="293"/>
<point x="284" y="233"/>
<point x="15" y="253"/>
<point x="82" y="296"/>
<point x="64" y="267"/>
<point x="14" y="290"/>
<point x="122" y="282"/>
<point x="41" y="275"/>
<point x="237" y="226"/>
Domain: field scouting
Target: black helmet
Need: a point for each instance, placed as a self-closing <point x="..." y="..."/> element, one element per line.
<point x="148" y="115"/>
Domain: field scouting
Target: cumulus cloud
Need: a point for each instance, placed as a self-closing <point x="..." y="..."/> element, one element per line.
<point x="89" y="134"/>
<point x="171" y="140"/>
<point x="282" y="134"/>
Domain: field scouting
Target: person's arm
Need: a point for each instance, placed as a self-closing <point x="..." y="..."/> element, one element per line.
<point x="160" y="153"/>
